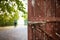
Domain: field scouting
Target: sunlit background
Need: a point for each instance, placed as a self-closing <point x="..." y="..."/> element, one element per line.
<point x="9" y="29"/>
<point x="21" y="20"/>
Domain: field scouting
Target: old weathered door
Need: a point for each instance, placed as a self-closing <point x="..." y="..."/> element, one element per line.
<point x="43" y="19"/>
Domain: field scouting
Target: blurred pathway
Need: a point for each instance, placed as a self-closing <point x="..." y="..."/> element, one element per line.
<point x="18" y="33"/>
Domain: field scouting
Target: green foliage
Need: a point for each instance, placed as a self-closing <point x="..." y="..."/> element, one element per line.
<point x="25" y="16"/>
<point x="9" y="11"/>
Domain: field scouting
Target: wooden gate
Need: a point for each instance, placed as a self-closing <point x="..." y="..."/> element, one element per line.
<point x="43" y="19"/>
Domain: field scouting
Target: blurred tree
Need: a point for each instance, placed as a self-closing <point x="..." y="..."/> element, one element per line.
<point x="9" y="11"/>
<point x="25" y="16"/>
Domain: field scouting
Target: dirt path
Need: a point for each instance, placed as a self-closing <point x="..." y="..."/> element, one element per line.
<point x="19" y="33"/>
